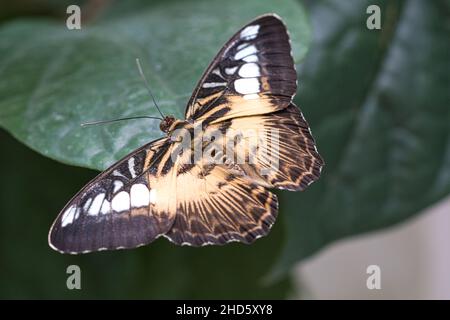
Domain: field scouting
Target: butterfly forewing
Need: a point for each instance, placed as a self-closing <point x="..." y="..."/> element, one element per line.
<point x="253" y="74"/>
<point x="124" y="207"/>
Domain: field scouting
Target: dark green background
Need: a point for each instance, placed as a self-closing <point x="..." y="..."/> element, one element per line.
<point x="377" y="103"/>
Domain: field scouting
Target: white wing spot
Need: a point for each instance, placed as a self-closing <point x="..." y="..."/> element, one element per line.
<point x="247" y="85"/>
<point x="153" y="196"/>
<point x="252" y="58"/>
<point x="250" y="32"/>
<point x="242" y="45"/>
<point x="87" y="204"/>
<point x="140" y="196"/>
<point x="217" y="72"/>
<point x="131" y="167"/>
<point x="231" y="70"/>
<point x="214" y="84"/>
<point x="77" y="214"/>
<point x="245" y="52"/>
<point x="121" y="202"/>
<point x="249" y="70"/>
<point x="118" y="174"/>
<point x="68" y="216"/>
<point x="96" y="205"/>
<point x="117" y="185"/>
<point x="106" y="207"/>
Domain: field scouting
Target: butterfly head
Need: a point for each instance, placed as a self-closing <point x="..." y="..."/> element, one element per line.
<point x="166" y="123"/>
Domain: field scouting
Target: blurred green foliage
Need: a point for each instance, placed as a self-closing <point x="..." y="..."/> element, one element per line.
<point x="377" y="102"/>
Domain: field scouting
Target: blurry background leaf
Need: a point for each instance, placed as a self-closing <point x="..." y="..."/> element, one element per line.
<point x="37" y="8"/>
<point x="379" y="106"/>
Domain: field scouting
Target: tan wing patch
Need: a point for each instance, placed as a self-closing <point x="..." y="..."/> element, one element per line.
<point x="216" y="207"/>
<point x="240" y="106"/>
<point x="162" y="200"/>
<point x="274" y="150"/>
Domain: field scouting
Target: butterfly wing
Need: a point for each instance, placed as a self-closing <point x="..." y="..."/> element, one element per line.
<point x="219" y="206"/>
<point x="252" y="74"/>
<point x="276" y="150"/>
<point x="221" y="199"/>
<point x="126" y="206"/>
<point x="247" y="88"/>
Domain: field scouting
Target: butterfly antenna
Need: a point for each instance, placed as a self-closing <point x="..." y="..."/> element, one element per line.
<point x="85" y="124"/>
<point x="147" y="85"/>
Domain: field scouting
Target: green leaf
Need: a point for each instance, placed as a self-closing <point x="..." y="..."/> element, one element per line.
<point x="54" y="79"/>
<point x="378" y="104"/>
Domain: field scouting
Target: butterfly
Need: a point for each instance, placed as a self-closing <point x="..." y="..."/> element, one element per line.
<point x="161" y="189"/>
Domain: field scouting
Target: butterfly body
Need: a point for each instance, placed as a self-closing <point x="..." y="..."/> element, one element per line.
<point x="166" y="123"/>
<point x="206" y="181"/>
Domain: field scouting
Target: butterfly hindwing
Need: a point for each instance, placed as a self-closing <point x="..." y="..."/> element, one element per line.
<point x="252" y="74"/>
<point x="124" y="207"/>
<point x="220" y="207"/>
<point x="284" y="154"/>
